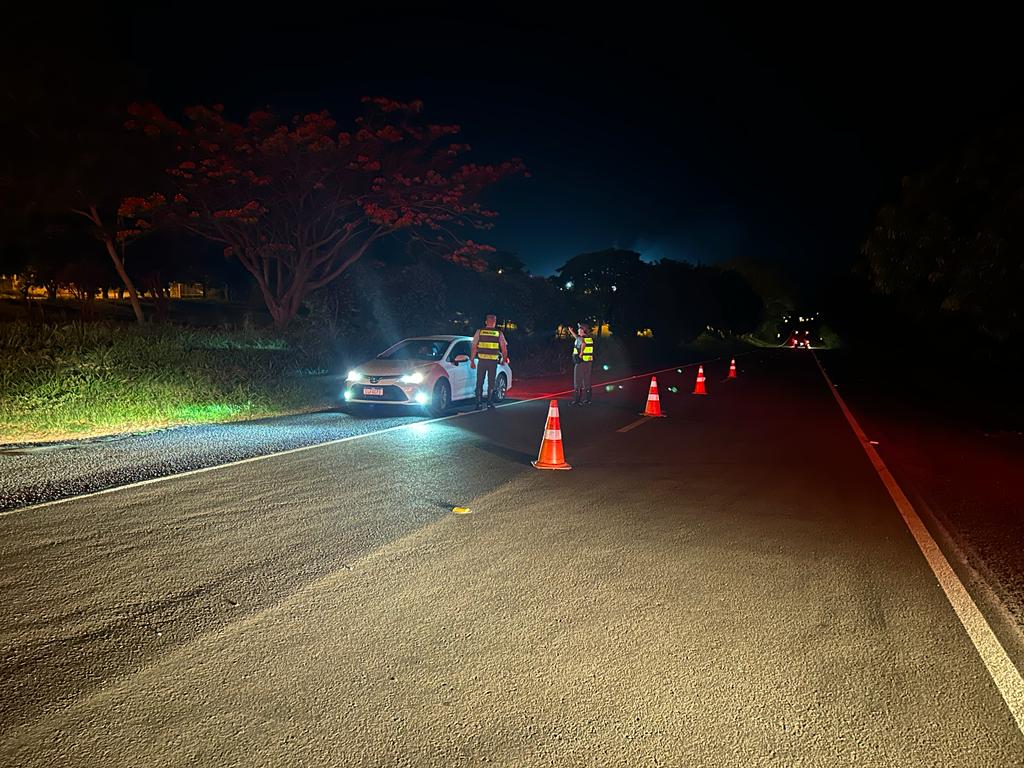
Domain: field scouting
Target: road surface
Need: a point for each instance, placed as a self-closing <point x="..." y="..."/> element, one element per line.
<point x="730" y="585"/>
<point x="35" y="473"/>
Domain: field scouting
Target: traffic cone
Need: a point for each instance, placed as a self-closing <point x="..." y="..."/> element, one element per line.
<point x="699" y="389"/>
<point x="732" y="369"/>
<point x="550" y="456"/>
<point x="653" y="400"/>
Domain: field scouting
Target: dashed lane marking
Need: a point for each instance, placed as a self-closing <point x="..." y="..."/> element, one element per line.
<point x="635" y="424"/>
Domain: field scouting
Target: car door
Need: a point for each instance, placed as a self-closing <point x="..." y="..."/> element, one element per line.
<point x="463" y="383"/>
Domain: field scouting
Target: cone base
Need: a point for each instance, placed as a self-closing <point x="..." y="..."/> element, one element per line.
<point x="699" y="393"/>
<point x="538" y="465"/>
<point x="655" y="415"/>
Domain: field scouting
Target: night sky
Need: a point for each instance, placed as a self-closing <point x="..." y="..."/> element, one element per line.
<point x="701" y="136"/>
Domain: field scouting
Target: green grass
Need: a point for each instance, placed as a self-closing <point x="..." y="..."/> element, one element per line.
<point x="78" y="380"/>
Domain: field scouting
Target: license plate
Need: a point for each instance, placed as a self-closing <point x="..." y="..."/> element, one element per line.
<point x="373" y="391"/>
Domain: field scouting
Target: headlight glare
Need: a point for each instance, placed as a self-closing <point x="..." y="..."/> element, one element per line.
<point x="412" y="378"/>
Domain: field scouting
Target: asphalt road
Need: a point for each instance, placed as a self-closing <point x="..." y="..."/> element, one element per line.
<point x="727" y="586"/>
<point x="31" y="474"/>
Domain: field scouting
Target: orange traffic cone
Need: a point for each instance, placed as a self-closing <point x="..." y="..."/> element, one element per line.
<point x="653" y="400"/>
<point x="699" y="389"/>
<point x="732" y="369"/>
<point x="550" y="456"/>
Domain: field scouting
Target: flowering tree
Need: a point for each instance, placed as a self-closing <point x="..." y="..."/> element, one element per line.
<point x="300" y="202"/>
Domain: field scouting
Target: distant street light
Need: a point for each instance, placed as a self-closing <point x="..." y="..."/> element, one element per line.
<point x="568" y="284"/>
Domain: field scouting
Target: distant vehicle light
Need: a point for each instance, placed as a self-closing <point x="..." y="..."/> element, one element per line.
<point x="604" y="367"/>
<point x="421" y="398"/>
<point x="568" y="284"/>
<point x="353" y="376"/>
<point x="412" y="378"/>
<point x="615" y="288"/>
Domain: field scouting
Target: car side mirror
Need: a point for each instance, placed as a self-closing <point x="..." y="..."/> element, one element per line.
<point x="460" y="359"/>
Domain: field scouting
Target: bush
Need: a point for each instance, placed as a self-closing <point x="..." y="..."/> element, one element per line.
<point x="76" y="379"/>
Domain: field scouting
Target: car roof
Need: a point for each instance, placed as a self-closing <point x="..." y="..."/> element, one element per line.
<point x="440" y="337"/>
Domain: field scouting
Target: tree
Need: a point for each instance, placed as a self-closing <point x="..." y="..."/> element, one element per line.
<point x="67" y="151"/>
<point x="506" y="262"/>
<point x="298" y="203"/>
<point x="679" y="301"/>
<point x="737" y="308"/>
<point x="603" y="285"/>
<point x="949" y="251"/>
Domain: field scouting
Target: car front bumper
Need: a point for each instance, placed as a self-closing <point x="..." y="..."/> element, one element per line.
<point x="414" y="395"/>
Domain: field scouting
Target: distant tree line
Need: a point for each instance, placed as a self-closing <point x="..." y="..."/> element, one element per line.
<point x="947" y="258"/>
<point x="614" y="290"/>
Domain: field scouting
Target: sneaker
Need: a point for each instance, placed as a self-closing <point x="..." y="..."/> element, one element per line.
<point x="490" y="406"/>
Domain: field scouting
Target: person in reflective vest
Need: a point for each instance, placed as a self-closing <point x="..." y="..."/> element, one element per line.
<point x="583" y="363"/>
<point x="489" y="349"/>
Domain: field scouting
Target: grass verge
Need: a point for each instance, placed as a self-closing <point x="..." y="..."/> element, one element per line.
<point x="73" y="381"/>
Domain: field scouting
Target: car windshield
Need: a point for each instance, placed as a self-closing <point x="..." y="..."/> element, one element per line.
<point x="415" y="349"/>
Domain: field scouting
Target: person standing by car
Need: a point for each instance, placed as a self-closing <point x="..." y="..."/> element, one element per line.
<point x="489" y="349"/>
<point x="583" y="363"/>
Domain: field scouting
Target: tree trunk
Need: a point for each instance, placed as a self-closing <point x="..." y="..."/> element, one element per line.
<point x="133" y="295"/>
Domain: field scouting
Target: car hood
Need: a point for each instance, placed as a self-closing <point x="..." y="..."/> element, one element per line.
<point x="390" y="367"/>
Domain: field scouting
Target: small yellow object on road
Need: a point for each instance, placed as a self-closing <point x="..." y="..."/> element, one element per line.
<point x="461" y="510"/>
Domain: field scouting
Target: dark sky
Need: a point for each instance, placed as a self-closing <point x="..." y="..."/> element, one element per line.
<point x="694" y="135"/>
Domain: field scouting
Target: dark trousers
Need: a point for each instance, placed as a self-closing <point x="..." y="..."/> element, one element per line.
<point x="581" y="379"/>
<point x="486" y="369"/>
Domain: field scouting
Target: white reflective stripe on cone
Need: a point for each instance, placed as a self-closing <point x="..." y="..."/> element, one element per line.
<point x="653" y="396"/>
<point x="552" y="412"/>
<point x="552" y="434"/>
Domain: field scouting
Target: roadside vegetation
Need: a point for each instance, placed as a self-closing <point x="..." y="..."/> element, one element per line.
<point x="75" y="380"/>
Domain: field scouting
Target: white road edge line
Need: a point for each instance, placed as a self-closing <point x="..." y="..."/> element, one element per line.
<point x="300" y="449"/>
<point x="1002" y="670"/>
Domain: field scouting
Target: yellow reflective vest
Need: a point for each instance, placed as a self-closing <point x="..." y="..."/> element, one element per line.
<point x="487" y="347"/>
<point x="586" y="353"/>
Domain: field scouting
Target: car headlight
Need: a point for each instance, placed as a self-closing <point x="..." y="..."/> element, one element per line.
<point x="353" y="376"/>
<point x="412" y="378"/>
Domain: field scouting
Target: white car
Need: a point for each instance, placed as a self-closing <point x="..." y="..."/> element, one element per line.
<point x="428" y="372"/>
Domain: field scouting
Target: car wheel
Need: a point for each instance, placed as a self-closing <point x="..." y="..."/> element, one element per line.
<point x="442" y="398"/>
<point x="501" y="388"/>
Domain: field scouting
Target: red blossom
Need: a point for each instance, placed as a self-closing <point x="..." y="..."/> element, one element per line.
<point x="248" y="186"/>
<point x="390" y="105"/>
<point x="389" y="133"/>
<point x="140" y="206"/>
